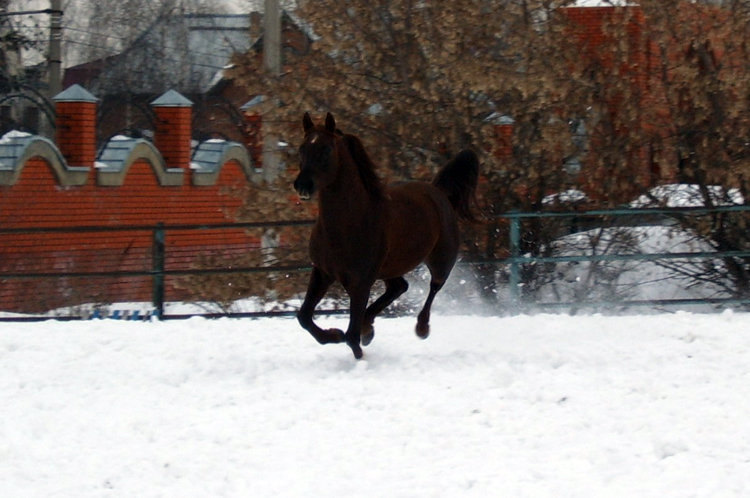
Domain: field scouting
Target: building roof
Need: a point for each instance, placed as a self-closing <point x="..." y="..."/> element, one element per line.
<point x="183" y="52"/>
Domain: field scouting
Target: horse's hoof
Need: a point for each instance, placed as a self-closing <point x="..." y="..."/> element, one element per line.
<point x="367" y="335"/>
<point x="356" y="349"/>
<point x="336" y="336"/>
<point x="423" y="330"/>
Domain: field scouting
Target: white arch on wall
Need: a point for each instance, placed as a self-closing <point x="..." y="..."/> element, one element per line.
<point x="210" y="156"/>
<point x="120" y="154"/>
<point x="16" y="152"/>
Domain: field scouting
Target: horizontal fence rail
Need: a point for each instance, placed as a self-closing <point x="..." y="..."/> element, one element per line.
<point x="516" y="259"/>
<point x="154" y="263"/>
<point x="156" y="268"/>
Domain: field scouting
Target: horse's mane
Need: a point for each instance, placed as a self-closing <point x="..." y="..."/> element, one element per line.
<point x="365" y="166"/>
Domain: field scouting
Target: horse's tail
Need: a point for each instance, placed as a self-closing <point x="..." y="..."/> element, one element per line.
<point x="458" y="179"/>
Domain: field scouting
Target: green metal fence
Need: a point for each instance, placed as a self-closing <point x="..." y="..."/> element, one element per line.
<point x="633" y="217"/>
<point x="159" y="270"/>
<point x="156" y="268"/>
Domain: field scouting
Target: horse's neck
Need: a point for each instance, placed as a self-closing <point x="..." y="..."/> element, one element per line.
<point x="346" y="204"/>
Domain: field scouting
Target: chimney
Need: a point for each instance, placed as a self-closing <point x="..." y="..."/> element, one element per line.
<point x="173" y="128"/>
<point x="76" y="125"/>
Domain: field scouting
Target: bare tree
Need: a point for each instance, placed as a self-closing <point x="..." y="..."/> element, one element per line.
<point x="649" y="102"/>
<point x="23" y="84"/>
<point x="704" y="113"/>
<point x="420" y="80"/>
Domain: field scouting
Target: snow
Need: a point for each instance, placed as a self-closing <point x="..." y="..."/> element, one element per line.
<point x="567" y="196"/>
<point x="688" y="195"/>
<point x="634" y="280"/>
<point x="13" y="135"/>
<point x="519" y="406"/>
<point x="602" y="3"/>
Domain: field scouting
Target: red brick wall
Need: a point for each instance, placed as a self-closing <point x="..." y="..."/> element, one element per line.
<point x="597" y="30"/>
<point x="648" y="69"/>
<point x="37" y="200"/>
<point x="633" y="60"/>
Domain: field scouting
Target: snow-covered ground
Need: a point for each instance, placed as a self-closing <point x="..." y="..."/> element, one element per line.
<point x="545" y="405"/>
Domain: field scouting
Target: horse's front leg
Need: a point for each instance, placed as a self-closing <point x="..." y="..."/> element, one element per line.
<point x="357" y="306"/>
<point x="316" y="289"/>
<point x="394" y="287"/>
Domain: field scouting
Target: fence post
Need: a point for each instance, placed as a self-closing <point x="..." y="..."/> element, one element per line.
<point x="157" y="270"/>
<point x="515" y="253"/>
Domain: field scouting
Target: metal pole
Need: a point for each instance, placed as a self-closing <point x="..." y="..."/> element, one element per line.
<point x="157" y="266"/>
<point x="272" y="64"/>
<point x="54" y="59"/>
<point x="515" y="253"/>
<point x="272" y="37"/>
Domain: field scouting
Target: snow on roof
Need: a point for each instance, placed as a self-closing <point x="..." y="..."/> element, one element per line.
<point x="12" y="135"/>
<point x="687" y="195"/>
<point x="566" y="197"/>
<point x="601" y="3"/>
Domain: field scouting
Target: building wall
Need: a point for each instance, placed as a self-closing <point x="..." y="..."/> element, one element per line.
<point x="38" y="197"/>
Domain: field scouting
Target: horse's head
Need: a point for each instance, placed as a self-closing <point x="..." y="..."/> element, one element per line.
<point x="318" y="157"/>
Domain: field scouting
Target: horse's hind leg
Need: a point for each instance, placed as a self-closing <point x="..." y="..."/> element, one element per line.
<point x="316" y="289"/>
<point x="423" y="319"/>
<point x="394" y="287"/>
<point x="440" y="263"/>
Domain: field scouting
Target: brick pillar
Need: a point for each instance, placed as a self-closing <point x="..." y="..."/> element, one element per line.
<point x="76" y="125"/>
<point x="173" y="129"/>
<point x="504" y="136"/>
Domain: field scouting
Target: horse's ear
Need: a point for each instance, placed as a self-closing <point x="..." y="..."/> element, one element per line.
<point x="307" y="122"/>
<point x="330" y="123"/>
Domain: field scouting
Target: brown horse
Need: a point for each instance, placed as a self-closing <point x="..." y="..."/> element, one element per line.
<point x="367" y="231"/>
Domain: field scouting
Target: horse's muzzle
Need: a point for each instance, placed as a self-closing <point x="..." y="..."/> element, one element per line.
<point x="304" y="186"/>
